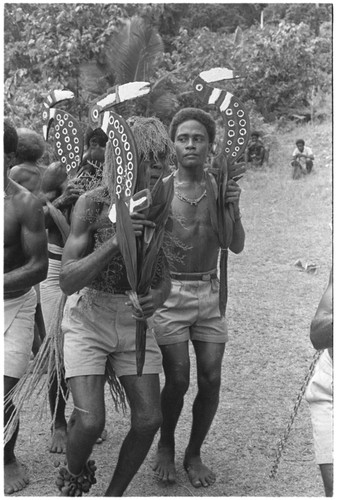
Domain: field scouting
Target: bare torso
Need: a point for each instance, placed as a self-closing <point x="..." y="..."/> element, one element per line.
<point x="191" y="227"/>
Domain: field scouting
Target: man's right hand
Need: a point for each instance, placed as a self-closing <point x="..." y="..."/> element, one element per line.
<point x="70" y="195"/>
<point x="139" y="222"/>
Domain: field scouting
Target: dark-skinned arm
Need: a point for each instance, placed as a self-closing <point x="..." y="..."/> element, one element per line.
<point x="34" y="244"/>
<point x="321" y="329"/>
<point x="81" y="263"/>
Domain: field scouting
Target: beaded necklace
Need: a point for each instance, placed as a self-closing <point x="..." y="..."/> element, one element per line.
<point x="191" y="201"/>
<point x="194" y="202"/>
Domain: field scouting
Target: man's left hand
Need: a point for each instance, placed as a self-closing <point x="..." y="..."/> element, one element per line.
<point x="233" y="192"/>
<point x="147" y="304"/>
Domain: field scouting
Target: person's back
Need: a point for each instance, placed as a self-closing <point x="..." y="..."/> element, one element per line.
<point x="27" y="171"/>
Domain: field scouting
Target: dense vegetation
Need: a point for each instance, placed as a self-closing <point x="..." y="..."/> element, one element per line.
<point x="284" y="52"/>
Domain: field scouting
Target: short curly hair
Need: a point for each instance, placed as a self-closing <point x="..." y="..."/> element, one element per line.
<point x="31" y="145"/>
<point x="300" y="141"/>
<point x="199" y="115"/>
<point x="10" y="137"/>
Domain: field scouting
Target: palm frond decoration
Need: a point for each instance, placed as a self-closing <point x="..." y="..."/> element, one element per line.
<point x="134" y="52"/>
<point x="139" y="254"/>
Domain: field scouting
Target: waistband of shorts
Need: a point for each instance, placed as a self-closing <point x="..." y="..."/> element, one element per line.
<point x="210" y="275"/>
<point x="102" y="293"/>
<point x="54" y="256"/>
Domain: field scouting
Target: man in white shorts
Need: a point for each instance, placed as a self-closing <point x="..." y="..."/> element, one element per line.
<point x="319" y="393"/>
<point x="25" y="265"/>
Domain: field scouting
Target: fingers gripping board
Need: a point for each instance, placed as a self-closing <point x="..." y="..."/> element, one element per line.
<point x="235" y="116"/>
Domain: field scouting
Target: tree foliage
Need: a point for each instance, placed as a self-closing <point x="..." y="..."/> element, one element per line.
<point x="287" y="63"/>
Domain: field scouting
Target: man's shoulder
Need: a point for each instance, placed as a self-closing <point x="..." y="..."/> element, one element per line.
<point x="23" y="199"/>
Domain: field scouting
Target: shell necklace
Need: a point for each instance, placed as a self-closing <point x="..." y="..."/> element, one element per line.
<point x="191" y="201"/>
<point x="194" y="202"/>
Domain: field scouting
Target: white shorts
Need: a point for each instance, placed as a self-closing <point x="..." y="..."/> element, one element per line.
<point x="19" y="316"/>
<point x="51" y="293"/>
<point x="319" y="395"/>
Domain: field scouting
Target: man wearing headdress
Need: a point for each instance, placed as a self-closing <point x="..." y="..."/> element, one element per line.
<point x="192" y="310"/>
<point x="98" y="322"/>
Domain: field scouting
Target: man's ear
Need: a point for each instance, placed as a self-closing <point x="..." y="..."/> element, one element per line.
<point x="10" y="159"/>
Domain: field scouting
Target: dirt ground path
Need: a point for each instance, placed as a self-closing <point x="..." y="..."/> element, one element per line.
<point x="271" y="303"/>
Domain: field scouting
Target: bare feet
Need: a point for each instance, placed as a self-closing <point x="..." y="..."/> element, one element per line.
<point x="15" y="477"/>
<point x="58" y="440"/>
<point x="198" y="474"/>
<point x="164" y="465"/>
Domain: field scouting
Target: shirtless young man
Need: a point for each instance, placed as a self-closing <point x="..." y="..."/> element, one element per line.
<point x="28" y="172"/>
<point x="98" y="323"/>
<point x="192" y="310"/>
<point x="25" y="265"/>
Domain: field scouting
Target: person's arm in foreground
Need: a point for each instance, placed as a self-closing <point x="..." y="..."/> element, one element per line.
<point x="80" y="264"/>
<point x="34" y="245"/>
<point x="321" y="331"/>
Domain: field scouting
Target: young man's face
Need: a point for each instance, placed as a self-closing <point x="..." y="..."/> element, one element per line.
<point x="300" y="146"/>
<point x="192" y="144"/>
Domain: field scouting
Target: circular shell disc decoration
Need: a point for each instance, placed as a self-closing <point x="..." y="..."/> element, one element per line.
<point x="237" y="129"/>
<point x="69" y="143"/>
<point x="125" y="154"/>
<point x="235" y="116"/>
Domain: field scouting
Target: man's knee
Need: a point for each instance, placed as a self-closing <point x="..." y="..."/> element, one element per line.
<point x="209" y="384"/>
<point x="148" y="422"/>
<point x="89" y="423"/>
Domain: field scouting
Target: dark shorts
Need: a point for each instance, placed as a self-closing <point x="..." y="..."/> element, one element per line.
<point x="191" y="312"/>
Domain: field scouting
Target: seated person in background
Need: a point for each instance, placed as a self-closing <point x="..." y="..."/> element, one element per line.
<point x="255" y="152"/>
<point x="303" y="157"/>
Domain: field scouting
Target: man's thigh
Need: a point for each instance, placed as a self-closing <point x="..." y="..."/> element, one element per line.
<point x="143" y="393"/>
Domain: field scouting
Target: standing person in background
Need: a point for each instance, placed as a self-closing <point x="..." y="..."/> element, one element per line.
<point x="25" y="265"/>
<point x="303" y="158"/>
<point x="191" y="313"/>
<point x="319" y="393"/>
<point x="28" y="172"/>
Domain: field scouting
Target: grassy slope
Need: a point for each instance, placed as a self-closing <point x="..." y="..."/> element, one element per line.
<point x="269" y="311"/>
